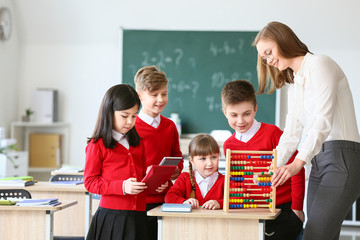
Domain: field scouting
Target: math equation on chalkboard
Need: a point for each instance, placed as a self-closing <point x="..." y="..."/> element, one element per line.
<point x="197" y="64"/>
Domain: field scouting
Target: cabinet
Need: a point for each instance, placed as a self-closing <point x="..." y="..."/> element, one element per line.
<point x="21" y="132"/>
<point x="15" y="168"/>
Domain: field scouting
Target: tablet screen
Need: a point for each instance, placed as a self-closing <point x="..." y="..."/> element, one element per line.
<point x="170" y="161"/>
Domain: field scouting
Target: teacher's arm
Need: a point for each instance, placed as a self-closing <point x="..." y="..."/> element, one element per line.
<point x="323" y="78"/>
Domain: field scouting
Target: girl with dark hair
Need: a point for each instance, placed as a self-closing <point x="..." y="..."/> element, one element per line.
<point x="320" y="104"/>
<point x="205" y="186"/>
<point x="115" y="165"/>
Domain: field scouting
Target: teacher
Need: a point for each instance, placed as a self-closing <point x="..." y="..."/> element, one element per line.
<point x="320" y="104"/>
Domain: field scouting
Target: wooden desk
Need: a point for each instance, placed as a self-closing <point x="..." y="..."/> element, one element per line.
<point x="200" y="224"/>
<point x="69" y="222"/>
<point x="18" y="222"/>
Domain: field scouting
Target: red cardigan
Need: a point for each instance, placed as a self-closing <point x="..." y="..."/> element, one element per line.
<point x="182" y="189"/>
<point x="159" y="142"/>
<point x="266" y="139"/>
<point x="106" y="169"/>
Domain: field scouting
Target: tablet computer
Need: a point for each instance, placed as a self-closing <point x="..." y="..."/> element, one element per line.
<point x="170" y="161"/>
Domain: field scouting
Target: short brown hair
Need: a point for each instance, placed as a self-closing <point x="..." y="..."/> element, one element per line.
<point x="150" y="78"/>
<point x="238" y="91"/>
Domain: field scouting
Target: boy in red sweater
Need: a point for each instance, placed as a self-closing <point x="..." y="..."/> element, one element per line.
<point x="159" y="134"/>
<point x="239" y="107"/>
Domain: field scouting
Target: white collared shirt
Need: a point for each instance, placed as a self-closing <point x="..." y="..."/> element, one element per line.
<point x="320" y="103"/>
<point x="121" y="138"/>
<point x="154" y="122"/>
<point x="205" y="184"/>
<point x="246" y="136"/>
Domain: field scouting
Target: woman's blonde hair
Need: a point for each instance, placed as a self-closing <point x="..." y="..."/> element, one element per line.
<point x="201" y="145"/>
<point x="289" y="46"/>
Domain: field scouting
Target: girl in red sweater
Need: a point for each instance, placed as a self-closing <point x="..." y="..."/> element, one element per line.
<point x="205" y="186"/>
<point x="115" y="165"/>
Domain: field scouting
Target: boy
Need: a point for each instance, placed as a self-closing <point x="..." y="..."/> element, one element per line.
<point x="239" y="107"/>
<point x="159" y="134"/>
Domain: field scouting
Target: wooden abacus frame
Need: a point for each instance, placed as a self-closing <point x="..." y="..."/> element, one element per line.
<point x="229" y="154"/>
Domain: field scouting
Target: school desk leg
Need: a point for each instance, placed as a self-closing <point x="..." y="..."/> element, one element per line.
<point x="88" y="211"/>
<point x="261" y="229"/>
<point x="159" y="228"/>
<point x="49" y="225"/>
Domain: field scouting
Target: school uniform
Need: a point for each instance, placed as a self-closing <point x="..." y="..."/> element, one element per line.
<point x="290" y="195"/>
<point x="320" y="104"/>
<point x="161" y="139"/>
<point x="120" y="215"/>
<point x="209" y="189"/>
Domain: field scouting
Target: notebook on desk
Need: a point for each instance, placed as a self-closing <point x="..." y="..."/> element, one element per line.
<point x="67" y="182"/>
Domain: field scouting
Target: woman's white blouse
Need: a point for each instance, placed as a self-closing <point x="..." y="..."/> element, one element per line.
<point x="320" y="103"/>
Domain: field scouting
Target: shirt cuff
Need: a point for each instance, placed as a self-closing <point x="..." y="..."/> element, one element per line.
<point x="123" y="187"/>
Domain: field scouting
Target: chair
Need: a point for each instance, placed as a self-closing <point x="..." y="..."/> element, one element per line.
<point x="14" y="193"/>
<point x="66" y="177"/>
<point x="96" y="196"/>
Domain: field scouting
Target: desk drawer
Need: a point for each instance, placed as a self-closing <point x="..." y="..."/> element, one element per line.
<point x="17" y="167"/>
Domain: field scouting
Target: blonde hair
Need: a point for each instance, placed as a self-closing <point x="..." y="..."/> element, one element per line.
<point x="201" y="145"/>
<point x="150" y="78"/>
<point x="290" y="46"/>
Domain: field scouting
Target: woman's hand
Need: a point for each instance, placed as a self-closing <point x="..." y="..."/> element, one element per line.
<point x="194" y="203"/>
<point x="162" y="187"/>
<point x="211" y="204"/>
<point x="300" y="214"/>
<point x="134" y="187"/>
<point x="175" y="174"/>
<point x="283" y="173"/>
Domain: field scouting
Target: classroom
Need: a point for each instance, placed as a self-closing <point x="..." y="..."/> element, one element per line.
<point x="76" y="47"/>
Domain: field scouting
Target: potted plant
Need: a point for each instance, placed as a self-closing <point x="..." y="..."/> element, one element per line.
<point x="5" y="149"/>
<point x="28" y="113"/>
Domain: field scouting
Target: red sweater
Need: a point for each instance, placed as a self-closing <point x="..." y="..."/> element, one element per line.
<point x="182" y="189"/>
<point x="159" y="142"/>
<point x="266" y="139"/>
<point x="106" y="169"/>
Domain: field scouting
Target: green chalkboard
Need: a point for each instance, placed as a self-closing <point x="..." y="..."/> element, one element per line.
<point x="198" y="64"/>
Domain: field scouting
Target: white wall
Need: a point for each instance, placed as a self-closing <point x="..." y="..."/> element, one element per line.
<point x="9" y="62"/>
<point x="73" y="45"/>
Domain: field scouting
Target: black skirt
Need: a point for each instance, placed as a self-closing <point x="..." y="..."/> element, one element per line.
<point x="110" y="224"/>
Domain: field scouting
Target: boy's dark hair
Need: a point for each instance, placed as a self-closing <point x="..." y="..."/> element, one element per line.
<point x="238" y="91"/>
<point x="118" y="98"/>
<point x="149" y="78"/>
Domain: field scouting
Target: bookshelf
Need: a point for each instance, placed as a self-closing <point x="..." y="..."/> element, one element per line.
<point x="21" y="132"/>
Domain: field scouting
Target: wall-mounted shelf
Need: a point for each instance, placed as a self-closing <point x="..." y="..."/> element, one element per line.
<point x="22" y="130"/>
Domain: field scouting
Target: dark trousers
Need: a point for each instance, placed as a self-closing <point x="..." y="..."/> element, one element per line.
<point x="287" y="226"/>
<point x="152" y="224"/>
<point x="333" y="188"/>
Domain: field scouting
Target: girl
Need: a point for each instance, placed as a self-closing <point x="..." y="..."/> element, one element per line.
<point x="320" y="102"/>
<point x="115" y="165"/>
<point x="205" y="186"/>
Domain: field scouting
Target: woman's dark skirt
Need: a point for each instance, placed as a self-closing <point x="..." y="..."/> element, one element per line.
<point x="110" y="224"/>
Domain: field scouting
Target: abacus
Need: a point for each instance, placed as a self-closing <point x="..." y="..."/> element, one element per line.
<point x="240" y="191"/>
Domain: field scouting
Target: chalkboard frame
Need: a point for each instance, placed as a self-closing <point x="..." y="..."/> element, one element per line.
<point x="220" y="118"/>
